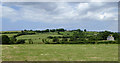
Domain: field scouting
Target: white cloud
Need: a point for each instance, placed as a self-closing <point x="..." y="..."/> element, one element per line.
<point x="0" y="17"/>
<point x="83" y="6"/>
<point x="0" y="10"/>
<point x="60" y="0"/>
<point x="10" y="13"/>
<point x="59" y="12"/>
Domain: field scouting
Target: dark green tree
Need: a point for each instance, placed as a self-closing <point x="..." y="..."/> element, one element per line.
<point x="25" y="30"/>
<point x="0" y="39"/>
<point x="59" y="33"/>
<point x="5" y="39"/>
<point x="60" y="30"/>
<point x="79" y="30"/>
<point x="103" y="35"/>
<point x="85" y="30"/>
<point x="52" y="30"/>
<point x="55" y="39"/>
<point x="64" y="39"/>
<point x="78" y="34"/>
<point x="22" y="31"/>
<point x="13" y="40"/>
<point x="47" y="30"/>
<point x="73" y="39"/>
<point x="31" y="30"/>
<point x="116" y="36"/>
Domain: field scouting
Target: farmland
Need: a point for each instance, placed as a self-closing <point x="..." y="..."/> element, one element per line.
<point x="60" y="52"/>
<point x="56" y="31"/>
<point x="59" y="46"/>
<point x="37" y="38"/>
<point x="9" y="35"/>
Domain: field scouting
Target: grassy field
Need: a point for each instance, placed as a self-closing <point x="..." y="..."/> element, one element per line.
<point x="37" y="38"/>
<point x="9" y="35"/>
<point x="60" y="52"/>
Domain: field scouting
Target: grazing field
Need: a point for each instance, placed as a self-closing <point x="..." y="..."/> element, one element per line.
<point x="37" y="38"/>
<point x="9" y="35"/>
<point x="60" y="52"/>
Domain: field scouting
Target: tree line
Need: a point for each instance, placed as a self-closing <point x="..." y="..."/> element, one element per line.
<point x="78" y="37"/>
<point x="82" y="38"/>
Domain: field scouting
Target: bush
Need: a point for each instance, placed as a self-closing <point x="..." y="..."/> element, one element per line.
<point x="5" y="39"/>
<point x="22" y="41"/>
<point x="13" y="40"/>
<point x="50" y="37"/>
<point x="30" y="41"/>
<point x="108" y="42"/>
<point x="64" y="39"/>
<point x="45" y="41"/>
<point x="72" y="39"/>
<point x="0" y="39"/>
<point x="55" y="39"/>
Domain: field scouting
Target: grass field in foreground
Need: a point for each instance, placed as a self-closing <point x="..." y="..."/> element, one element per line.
<point x="60" y="52"/>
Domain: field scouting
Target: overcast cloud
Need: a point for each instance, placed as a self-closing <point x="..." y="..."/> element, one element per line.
<point x="70" y="15"/>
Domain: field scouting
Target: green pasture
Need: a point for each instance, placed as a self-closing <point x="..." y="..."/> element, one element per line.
<point x="9" y="35"/>
<point x="60" y="52"/>
<point x="67" y="33"/>
<point x="37" y="38"/>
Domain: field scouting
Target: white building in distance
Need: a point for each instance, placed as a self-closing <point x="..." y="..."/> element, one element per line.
<point x="110" y="38"/>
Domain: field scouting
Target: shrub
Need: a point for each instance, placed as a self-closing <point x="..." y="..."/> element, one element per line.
<point x="64" y="39"/>
<point x="5" y="39"/>
<point x="43" y="40"/>
<point x="50" y="37"/>
<point x="13" y="40"/>
<point x="30" y="41"/>
<point x="72" y="39"/>
<point x="55" y="39"/>
<point x="0" y="39"/>
<point x="108" y="42"/>
<point x="22" y="41"/>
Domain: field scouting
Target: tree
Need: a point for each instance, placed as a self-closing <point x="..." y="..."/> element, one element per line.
<point x="13" y="40"/>
<point x="5" y="39"/>
<point x="104" y="34"/>
<point x="31" y="30"/>
<point x="79" y="30"/>
<point x="52" y="30"/>
<point x="116" y="36"/>
<point x="91" y="38"/>
<point x="38" y="31"/>
<point x="85" y="30"/>
<point x="64" y="39"/>
<point x="55" y="39"/>
<point x="25" y="30"/>
<point x="50" y="37"/>
<point x="0" y="39"/>
<point x="43" y="40"/>
<point x="22" y="31"/>
<point x="79" y="35"/>
<point x="47" y="30"/>
<point x="72" y="38"/>
<point x="59" y="33"/>
<point x="60" y="30"/>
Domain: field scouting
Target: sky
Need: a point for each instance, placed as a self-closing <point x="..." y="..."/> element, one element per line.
<point x="94" y="16"/>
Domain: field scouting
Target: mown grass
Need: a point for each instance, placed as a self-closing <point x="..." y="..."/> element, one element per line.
<point x="60" y="52"/>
